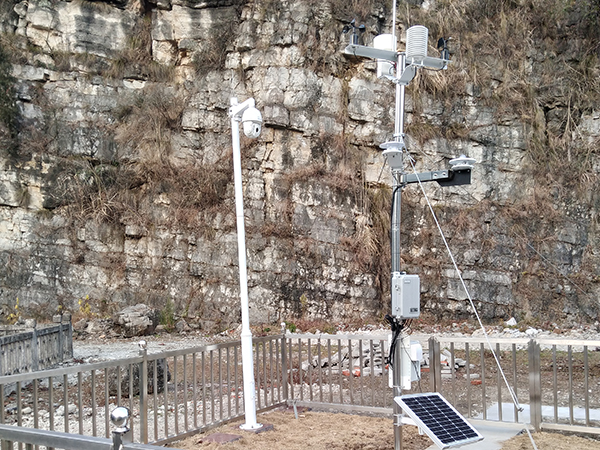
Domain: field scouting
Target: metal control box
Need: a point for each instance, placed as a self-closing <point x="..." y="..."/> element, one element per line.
<point x="406" y="296"/>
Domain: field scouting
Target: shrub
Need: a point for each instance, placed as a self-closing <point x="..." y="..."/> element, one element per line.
<point x="167" y="316"/>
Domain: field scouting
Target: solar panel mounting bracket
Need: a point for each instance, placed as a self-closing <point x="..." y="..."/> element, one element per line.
<point x="407" y="421"/>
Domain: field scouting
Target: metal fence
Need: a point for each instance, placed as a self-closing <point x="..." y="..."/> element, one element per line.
<point x="36" y="349"/>
<point x="347" y="371"/>
<point x="181" y="392"/>
<point x="172" y="394"/>
<point x="33" y="438"/>
<point x="555" y="380"/>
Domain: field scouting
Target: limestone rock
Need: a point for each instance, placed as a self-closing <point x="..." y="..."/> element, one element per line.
<point x="182" y="326"/>
<point x="138" y="320"/>
<point x="121" y="185"/>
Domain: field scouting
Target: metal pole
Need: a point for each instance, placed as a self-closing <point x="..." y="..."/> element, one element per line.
<point x="535" y="390"/>
<point x="395" y="225"/>
<point x="394" y="23"/>
<point x="399" y="119"/>
<point x="397" y="173"/>
<point x="143" y="380"/>
<point x="395" y="245"/>
<point x="397" y="378"/>
<point x="246" y="335"/>
<point x="119" y="418"/>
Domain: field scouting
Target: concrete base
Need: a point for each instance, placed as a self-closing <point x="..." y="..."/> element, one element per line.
<point x="264" y="427"/>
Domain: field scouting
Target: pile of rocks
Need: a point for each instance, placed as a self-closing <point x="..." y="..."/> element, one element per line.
<point x="358" y="363"/>
<point x="370" y="360"/>
<point x="137" y="320"/>
<point x="448" y="371"/>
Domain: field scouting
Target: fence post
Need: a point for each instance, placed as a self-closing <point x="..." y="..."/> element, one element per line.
<point x="119" y="418"/>
<point x="35" y="351"/>
<point x="61" y="340"/>
<point x="69" y="336"/>
<point x="143" y="379"/>
<point x="284" y="374"/>
<point x="435" y="375"/>
<point x="432" y="363"/>
<point x="1" y="403"/>
<point x="535" y="384"/>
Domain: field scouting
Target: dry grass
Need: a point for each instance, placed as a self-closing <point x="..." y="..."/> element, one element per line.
<point x="369" y="244"/>
<point x="147" y="124"/>
<point x="536" y="60"/>
<point x="341" y="177"/>
<point x="315" y="430"/>
<point x="136" y="59"/>
<point x="9" y="115"/>
<point x="122" y="190"/>
<point x="213" y="51"/>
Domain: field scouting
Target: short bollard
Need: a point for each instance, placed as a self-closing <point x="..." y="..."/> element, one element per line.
<point x="119" y="418"/>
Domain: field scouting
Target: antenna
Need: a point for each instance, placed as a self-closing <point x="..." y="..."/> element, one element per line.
<point x="394" y="22"/>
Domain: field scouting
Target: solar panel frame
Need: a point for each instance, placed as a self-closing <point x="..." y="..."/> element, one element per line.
<point x="444" y="425"/>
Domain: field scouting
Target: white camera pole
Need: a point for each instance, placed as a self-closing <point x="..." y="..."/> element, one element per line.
<point x="235" y="112"/>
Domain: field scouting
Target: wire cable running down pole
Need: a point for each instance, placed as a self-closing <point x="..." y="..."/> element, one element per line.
<point x="485" y="334"/>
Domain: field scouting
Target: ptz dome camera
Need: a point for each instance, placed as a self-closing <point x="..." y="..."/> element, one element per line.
<point x="252" y="122"/>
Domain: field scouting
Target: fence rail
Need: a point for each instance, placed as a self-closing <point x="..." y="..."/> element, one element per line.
<point x="177" y="393"/>
<point x="55" y="439"/>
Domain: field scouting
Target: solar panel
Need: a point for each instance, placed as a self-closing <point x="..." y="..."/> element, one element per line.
<point x="438" y="419"/>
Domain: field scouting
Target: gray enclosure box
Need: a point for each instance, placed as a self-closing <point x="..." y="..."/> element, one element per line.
<point x="406" y="296"/>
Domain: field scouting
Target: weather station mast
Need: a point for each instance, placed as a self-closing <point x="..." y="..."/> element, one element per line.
<point x="401" y="68"/>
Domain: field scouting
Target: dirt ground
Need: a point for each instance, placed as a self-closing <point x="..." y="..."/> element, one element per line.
<point x="314" y="431"/>
<point x="550" y="441"/>
<point x="337" y="431"/>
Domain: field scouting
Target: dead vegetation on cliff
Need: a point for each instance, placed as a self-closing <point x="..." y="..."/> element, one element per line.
<point x="530" y="62"/>
<point x="535" y="61"/>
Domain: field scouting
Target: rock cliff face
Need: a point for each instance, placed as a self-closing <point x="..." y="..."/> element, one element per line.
<point x="116" y="173"/>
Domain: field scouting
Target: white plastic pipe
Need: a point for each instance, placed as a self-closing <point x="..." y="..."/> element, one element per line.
<point x="246" y="336"/>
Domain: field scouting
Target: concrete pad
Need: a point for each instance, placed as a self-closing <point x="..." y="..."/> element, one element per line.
<point x="264" y="427"/>
<point x="563" y="412"/>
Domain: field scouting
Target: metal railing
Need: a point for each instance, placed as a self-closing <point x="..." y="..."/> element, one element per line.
<point x="36" y="348"/>
<point x="181" y="392"/>
<point x="554" y="380"/>
<point x="34" y="438"/>
<point x="194" y="390"/>
<point x="347" y="371"/>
